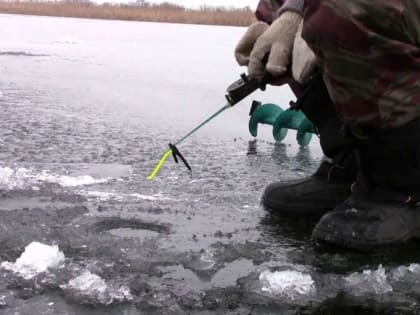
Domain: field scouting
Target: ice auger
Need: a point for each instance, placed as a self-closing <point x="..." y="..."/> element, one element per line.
<point x="281" y="120"/>
<point x="265" y="114"/>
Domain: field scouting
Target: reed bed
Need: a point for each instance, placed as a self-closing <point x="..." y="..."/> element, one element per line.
<point x="135" y="12"/>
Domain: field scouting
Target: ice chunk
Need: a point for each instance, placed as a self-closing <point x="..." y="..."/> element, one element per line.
<point x="36" y="258"/>
<point x="90" y="288"/>
<point x="10" y="179"/>
<point x="369" y="281"/>
<point x="3" y="301"/>
<point x="289" y="283"/>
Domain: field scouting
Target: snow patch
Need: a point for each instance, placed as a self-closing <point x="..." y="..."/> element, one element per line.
<point x="37" y="258"/>
<point x="70" y="181"/>
<point x="369" y="281"/>
<point x="289" y="283"/>
<point x="110" y="196"/>
<point x="92" y="289"/>
<point x="23" y="178"/>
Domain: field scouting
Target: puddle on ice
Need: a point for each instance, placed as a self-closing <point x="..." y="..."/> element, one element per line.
<point x="37" y="258"/>
<point x="227" y="276"/>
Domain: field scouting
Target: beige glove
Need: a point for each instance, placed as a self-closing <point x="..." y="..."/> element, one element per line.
<point x="275" y="41"/>
<point x="246" y="44"/>
<point x="304" y="61"/>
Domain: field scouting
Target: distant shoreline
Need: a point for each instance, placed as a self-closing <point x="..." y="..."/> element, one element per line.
<point x="141" y="12"/>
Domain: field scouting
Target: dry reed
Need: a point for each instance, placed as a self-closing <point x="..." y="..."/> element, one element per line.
<point x="145" y="12"/>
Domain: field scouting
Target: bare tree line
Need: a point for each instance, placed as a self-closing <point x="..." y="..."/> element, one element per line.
<point x="140" y="10"/>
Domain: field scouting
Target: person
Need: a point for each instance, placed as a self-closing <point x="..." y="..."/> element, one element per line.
<point x="358" y="66"/>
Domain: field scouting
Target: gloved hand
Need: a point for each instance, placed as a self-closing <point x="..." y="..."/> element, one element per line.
<point x="276" y="42"/>
<point x="304" y="61"/>
<point x="246" y="44"/>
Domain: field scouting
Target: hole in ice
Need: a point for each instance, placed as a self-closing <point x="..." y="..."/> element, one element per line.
<point x="133" y="233"/>
<point x="130" y="227"/>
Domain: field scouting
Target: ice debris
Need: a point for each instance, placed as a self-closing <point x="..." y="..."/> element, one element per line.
<point x="37" y="258"/>
<point x="3" y="301"/>
<point x="70" y="181"/>
<point x="403" y="271"/>
<point x="289" y="283"/>
<point x="23" y="178"/>
<point x="111" y="196"/>
<point x="369" y="282"/>
<point x="89" y="288"/>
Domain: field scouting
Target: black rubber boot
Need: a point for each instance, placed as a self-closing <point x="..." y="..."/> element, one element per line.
<point x="363" y="222"/>
<point x="314" y="195"/>
<point x="330" y="185"/>
<point x="384" y="206"/>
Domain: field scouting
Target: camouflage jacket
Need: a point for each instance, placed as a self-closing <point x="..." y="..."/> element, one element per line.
<point x="369" y="52"/>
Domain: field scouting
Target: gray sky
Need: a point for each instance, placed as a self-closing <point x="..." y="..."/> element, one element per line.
<point x="198" y="3"/>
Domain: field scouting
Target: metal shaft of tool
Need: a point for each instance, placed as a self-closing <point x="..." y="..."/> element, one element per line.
<point x="203" y="123"/>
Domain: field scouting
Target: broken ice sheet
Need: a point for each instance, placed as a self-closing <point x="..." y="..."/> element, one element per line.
<point x="89" y="288"/>
<point x="37" y="258"/>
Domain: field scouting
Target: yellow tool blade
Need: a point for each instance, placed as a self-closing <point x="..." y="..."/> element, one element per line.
<point x="160" y="165"/>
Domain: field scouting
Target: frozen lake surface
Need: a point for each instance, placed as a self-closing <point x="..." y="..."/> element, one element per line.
<point x="87" y="108"/>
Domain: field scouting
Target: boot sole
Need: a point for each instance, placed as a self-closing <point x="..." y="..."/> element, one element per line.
<point x="290" y="211"/>
<point x="324" y="237"/>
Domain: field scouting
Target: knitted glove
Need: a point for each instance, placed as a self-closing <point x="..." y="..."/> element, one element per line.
<point x="246" y="44"/>
<point x="276" y="43"/>
<point x="304" y="60"/>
